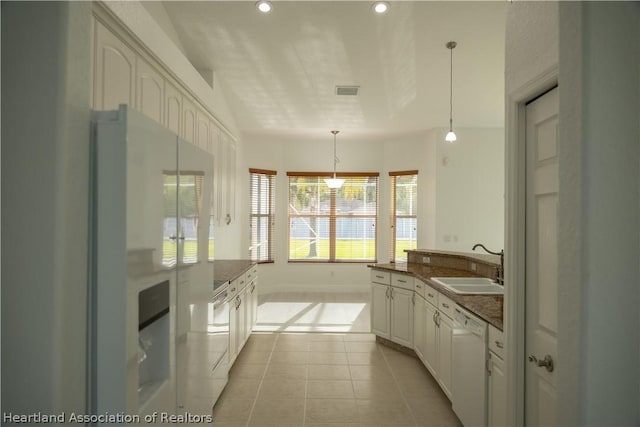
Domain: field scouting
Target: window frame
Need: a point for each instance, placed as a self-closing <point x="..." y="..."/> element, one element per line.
<point x="333" y="217"/>
<point x="393" y="256"/>
<point x="270" y="216"/>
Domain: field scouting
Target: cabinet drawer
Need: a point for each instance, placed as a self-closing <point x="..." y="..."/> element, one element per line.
<point x="430" y="295"/>
<point x="445" y="305"/>
<point x="237" y="285"/>
<point x="251" y="274"/>
<point x="496" y="341"/>
<point x="403" y="281"/>
<point x="419" y="287"/>
<point x="382" y="277"/>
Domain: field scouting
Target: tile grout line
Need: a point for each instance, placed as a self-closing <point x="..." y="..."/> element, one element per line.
<point x="264" y="374"/>
<point x="395" y="380"/>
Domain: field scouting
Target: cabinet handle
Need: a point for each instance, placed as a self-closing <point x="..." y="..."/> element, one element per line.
<point x="392" y="293"/>
<point x="233" y="289"/>
<point x="379" y="277"/>
<point x="413" y="299"/>
<point x="387" y="293"/>
<point x="430" y="295"/>
<point x="402" y="281"/>
<point x="419" y="286"/>
<point x="228" y="219"/>
<point x="435" y="315"/>
<point x="253" y="288"/>
<point x="445" y="305"/>
<point x="499" y="344"/>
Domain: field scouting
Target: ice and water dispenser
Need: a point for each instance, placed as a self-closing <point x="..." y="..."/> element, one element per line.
<point x="153" y="339"/>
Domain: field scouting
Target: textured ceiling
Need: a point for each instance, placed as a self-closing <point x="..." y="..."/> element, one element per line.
<point x="279" y="71"/>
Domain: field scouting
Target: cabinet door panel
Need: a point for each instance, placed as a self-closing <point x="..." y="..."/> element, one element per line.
<point x="202" y="131"/>
<point x="188" y="120"/>
<point x="114" y="71"/>
<point x="380" y="310"/>
<point x="431" y="345"/>
<point x="402" y="316"/>
<point x="420" y="326"/>
<point x="497" y="391"/>
<point x="150" y="91"/>
<point x="445" y="340"/>
<point x="173" y="108"/>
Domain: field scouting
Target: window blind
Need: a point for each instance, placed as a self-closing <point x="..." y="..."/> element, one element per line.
<point x="333" y="225"/>
<point x="262" y="214"/>
<point x="404" y="219"/>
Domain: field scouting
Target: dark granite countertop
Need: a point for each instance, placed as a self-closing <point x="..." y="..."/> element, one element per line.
<point x="226" y="270"/>
<point x="487" y="307"/>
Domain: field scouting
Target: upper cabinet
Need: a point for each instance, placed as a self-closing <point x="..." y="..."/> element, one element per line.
<point x="173" y="108"/>
<point x="149" y="91"/>
<point x="124" y="73"/>
<point x="114" y="71"/>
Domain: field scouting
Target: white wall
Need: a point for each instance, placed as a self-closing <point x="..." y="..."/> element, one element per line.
<point x="470" y="190"/>
<point x="610" y="71"/>
<point x="595" y="46"/>
<point x="45" y="209"/>
<point x="409" y="152"/>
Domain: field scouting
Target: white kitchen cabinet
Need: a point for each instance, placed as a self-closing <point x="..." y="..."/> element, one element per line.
<point x="497" y="396"/>
<point x="445" y="342"/>
<point x="202" y="131"/>
<point x="431" y="340"/>
<point x="380" y="310"/>
<point x="392" y="307"/>
<point x="402" y="316"/>
<point x="188" y="120"/>
<point x="114" y="71"/>
<point x="172" y="108"/>
<point x="420" y="325"/>
<point x="226" y="163"/>
<point x="252" y="301"/>
<point x="149" y="91"/>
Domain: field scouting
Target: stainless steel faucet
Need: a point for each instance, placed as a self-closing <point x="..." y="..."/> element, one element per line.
<point x="500" y="275"/>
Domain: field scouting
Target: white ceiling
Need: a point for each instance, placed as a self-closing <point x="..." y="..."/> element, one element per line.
<point x="279" y="71"/>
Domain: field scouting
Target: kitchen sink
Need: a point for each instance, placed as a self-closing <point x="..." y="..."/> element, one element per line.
<point x="470" y="285"/>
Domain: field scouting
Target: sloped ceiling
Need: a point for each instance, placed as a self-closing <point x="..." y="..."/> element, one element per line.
<point x="279" y="70"/>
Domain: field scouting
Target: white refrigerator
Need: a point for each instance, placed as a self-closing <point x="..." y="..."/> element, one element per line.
<point x="152" y="269"/>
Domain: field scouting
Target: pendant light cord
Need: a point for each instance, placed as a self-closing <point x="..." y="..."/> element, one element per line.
<point x="451" y="90"/>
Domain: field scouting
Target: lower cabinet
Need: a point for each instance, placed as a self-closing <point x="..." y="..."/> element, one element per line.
<point x="420" y="327"/>
<point x="445" y="342"/>
<point x="392" y="313"/>
<point x="402" y="316"/>
<point x="243" y="311"/>
<point x="497" y="395"/>
<point x="380" y="310"/>
<point x="431" y="339"/>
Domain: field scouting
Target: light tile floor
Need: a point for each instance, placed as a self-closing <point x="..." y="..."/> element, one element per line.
<point x="314" y="312"/>
<point x="320" y="379"/>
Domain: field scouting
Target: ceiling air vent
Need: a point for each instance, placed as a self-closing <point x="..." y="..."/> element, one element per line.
<point x="347" y="90"/>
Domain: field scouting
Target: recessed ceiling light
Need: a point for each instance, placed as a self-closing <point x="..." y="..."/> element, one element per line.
<point x="264" y="6"/>
<point x="380" y="7"/>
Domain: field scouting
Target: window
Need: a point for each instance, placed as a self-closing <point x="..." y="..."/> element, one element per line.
<point x="182" y="199"/>
<point x="404" y="220"/>
<point x="328" y="225"/>
<point x="261" y="218"/>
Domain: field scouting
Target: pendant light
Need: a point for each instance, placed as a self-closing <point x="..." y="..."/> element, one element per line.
<point x="451" y="135"/>
<point x="334" y="182"/>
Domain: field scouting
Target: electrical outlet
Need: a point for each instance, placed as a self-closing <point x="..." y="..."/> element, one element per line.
<point x="474" y="267"/>
<point x="426" y="260"/>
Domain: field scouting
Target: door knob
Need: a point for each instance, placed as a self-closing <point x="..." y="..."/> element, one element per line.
<point x="547" y="362"/>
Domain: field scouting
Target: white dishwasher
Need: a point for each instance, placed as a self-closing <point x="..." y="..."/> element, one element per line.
<point x="469" y="385"/>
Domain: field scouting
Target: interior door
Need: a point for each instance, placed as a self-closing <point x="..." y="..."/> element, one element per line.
<point x="541" y="259"/>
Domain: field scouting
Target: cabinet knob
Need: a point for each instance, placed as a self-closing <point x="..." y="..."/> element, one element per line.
<point x="499" y="344"/>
